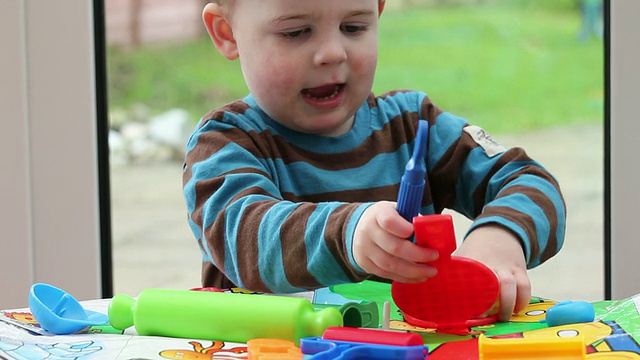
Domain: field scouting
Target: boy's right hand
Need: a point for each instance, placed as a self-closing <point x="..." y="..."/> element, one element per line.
<point x="380" y="246"/>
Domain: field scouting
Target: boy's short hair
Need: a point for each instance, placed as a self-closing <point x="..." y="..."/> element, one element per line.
<point x="226" y="4"/>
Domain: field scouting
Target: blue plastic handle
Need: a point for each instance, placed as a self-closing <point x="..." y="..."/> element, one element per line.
<point x="412" y="183"/>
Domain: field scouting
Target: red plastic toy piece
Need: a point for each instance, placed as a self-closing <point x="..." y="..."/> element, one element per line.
<point x="372" y="336"/>
<point x="211" y="289"/>
<point x="457" y="298"/>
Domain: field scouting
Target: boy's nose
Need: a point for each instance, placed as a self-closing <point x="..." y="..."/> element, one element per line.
<point x="330" y="51"/>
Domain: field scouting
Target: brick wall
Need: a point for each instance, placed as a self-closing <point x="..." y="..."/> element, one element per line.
<point x="156" y="20"/>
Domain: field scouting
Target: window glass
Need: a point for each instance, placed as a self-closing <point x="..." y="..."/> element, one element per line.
<point x="529" y="72"/>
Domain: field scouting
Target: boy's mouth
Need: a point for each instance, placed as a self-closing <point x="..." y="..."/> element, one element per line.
<point x="323" y="93"/>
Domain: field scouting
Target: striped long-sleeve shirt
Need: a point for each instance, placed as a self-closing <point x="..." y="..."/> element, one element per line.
<point x="275" y="210"/>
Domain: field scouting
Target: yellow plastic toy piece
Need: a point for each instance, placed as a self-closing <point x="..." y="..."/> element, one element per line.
<point x="571" y="348"/>
<point x="273" y="349"/>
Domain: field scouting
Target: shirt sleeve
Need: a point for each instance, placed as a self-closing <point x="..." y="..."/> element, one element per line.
<point x="471" y="173"/>
<point x="247" y="229"/>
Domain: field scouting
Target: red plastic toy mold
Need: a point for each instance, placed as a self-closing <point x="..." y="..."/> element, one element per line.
<point x="459" y="296"/>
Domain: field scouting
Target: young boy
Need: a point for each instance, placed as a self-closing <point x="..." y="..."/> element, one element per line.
<point x="293" y="187"/>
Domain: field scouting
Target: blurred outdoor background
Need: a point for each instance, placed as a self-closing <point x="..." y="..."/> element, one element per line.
<point x="528" y="71"/>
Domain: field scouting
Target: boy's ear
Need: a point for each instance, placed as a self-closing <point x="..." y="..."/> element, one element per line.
<point x="381" y="6"/>
<point x="220" y="31"/>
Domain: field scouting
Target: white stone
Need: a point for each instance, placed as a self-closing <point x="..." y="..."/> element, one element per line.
<point x="118" y="152"/>
<point x="133" y="131"/>
<point x="172" y="128"/>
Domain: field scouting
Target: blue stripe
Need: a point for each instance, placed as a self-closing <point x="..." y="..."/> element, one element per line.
<point x="189" y="192"/>
<point x="320" y="144"/>
<point x="508" y="170"/>
<point x="394" y="105"/>
<point x="442" y="135"/>
<point x="523" y="203"/>
<point x="233" y="211"/>
<point x="193" y="138"/>
<point x="230" y="236"/>
<point x="204" y="249"/>
<point x="270" y="261"/>
<point x="321" y="263"/>
<point x="550" y="191"/>
<point x="302" y="178"/>
<point x="472" y="174"/>
<point x="351" y="229"/>
<point x="427" y="210"/>
<point x="213" y="205"/>
<point x="225" y="160"/>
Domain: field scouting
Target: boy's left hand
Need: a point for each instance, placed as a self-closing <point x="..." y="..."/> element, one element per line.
<point x="500" y="250"/>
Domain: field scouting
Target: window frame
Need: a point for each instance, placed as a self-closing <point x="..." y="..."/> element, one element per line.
<point x="72" y="248"/>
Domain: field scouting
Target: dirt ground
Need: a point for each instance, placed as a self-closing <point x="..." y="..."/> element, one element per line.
<point x="153" y="246"/>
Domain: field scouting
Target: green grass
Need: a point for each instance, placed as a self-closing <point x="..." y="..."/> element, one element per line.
<point x="503" y="71"/>
<point x="508" y="69"/>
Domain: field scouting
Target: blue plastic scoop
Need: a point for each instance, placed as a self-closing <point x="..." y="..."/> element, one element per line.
<point x="60" y="313"/>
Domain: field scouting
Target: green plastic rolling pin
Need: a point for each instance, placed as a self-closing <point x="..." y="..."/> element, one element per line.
<point x="220" y="316"/>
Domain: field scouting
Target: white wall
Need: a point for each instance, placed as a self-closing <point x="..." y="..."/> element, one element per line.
<point x="625" y="135"/>
<point x="48" y="177"/>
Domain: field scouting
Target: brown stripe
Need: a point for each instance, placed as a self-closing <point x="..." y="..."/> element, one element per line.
<point x="206" y="188"/>
<point x="511" y="155"/>
<point x="247" y="250"/>
<point x="523" y="219"/>
<point x="552" y="246"/>
<point x="388" y="193"/>
<point x="265" y="145"/>
<point x="215" y="241"/>
<point x="379" y="142"/>
<point x="210" y="143"/>
<point x="207" y="144"/>
<point x="334" y="237"/>
<point x="518" y="154"/>
<point x="372" y="101"/>
<point x="294" y="250"/>
<point x="392" y="93"/>
<point x="212" y="277"/>
<point x="429" y="111"/>
<point x="268" y="146"/>
<point x="216" y="232"/>
<point x="235" y="107"/>
<point x="444" y="176"/>
<point x="540" y="199"/>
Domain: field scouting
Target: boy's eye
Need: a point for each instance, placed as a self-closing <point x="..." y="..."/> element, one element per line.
<point x="352" y="29"/>
<point x="296" y="33"/>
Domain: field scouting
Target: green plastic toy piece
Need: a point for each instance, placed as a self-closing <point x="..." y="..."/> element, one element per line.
<point x="220" y="316"/>
<point x="355" y="314"/>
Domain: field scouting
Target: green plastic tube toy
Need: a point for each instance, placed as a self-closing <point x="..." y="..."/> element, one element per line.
<point x="364" y="314"/>
<point x="220" y="316"/>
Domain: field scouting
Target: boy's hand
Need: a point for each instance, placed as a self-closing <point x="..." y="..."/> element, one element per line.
<point x="501" y="251"/>
<point x="380" y="246"/>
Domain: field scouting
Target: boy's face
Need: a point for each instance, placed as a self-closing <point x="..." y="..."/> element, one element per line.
<point x="309" y="64"/>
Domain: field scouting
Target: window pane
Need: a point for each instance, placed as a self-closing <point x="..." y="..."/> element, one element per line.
<point x="526" y="71"/>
